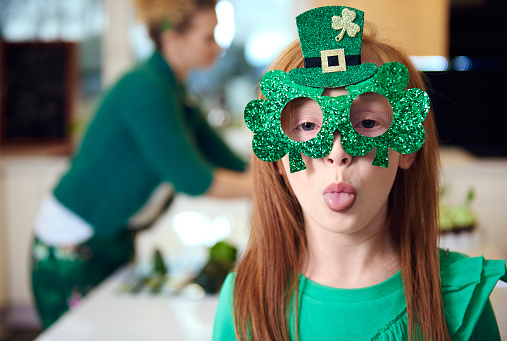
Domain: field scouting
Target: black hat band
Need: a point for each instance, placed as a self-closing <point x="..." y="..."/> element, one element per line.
<point x="312" y="62"/>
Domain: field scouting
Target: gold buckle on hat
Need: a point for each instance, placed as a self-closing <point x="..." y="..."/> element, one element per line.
<point x="324" y="55"/>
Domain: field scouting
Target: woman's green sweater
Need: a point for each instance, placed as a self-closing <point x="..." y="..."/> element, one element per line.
<point x="143" y="133"/>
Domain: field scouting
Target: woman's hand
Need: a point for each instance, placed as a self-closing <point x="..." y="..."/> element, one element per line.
<point x="230" y="184"/>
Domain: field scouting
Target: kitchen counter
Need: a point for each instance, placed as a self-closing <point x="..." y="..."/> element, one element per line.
<point x="106" y="314"/>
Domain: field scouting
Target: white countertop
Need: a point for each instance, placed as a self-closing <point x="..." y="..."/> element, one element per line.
<point x="108" y="315"/>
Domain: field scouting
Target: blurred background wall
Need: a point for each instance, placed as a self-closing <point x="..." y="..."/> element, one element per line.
<point x="421" y="27"/>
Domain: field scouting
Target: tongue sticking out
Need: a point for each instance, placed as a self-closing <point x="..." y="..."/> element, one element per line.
<point x="339" y="201"/>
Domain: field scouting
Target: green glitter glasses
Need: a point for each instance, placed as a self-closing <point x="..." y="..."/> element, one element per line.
<point x="377" y="113"/>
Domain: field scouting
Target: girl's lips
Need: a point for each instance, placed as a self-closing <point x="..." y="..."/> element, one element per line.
<point x="339" y="197"/>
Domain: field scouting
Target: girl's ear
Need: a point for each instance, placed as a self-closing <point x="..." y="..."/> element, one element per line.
<point x="406" y="160"/>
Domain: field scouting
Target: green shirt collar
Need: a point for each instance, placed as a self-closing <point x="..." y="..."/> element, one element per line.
<point x="325" y="293"/>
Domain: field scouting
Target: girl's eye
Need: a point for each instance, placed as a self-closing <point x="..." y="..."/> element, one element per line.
<point x="368" y="124"/>
<point x="371" y="114"/>
<point x="307" y="126"/>
<point x="301" y="119"/>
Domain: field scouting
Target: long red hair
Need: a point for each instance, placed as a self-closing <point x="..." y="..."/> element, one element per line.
<point x="268" y="271"/>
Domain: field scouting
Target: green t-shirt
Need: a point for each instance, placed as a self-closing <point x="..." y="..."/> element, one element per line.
<point x="379" y="312"/>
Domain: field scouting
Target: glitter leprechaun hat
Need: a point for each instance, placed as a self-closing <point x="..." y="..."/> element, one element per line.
<point x="331" y="39"/>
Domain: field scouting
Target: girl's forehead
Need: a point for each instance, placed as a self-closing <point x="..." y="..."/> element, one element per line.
<point x="335" y="92"/>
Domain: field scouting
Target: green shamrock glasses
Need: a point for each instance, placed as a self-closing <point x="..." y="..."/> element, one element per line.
<point x="360" y="131"/>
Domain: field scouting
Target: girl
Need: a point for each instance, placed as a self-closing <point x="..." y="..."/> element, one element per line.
<point x="342" y="249"/>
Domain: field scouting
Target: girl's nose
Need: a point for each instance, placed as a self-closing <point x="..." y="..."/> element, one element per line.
<point x="338" y="156"/>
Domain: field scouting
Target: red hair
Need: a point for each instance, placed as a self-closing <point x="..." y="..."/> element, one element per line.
<point x="268" y="271"/>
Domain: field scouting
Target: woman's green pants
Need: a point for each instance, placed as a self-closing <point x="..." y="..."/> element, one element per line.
<point x="62" y="275"/>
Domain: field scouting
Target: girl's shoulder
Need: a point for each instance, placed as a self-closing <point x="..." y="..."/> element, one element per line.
<point x="223" y="329"/>
<point x="467" y="283"/>
<point x="456" y="268"/>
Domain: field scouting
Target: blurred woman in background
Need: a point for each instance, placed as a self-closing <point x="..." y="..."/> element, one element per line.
<point x="145" y="133"/>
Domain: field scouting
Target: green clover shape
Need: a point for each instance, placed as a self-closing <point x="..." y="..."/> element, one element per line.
<point x="262" y="117"/>
<point x="405" y="135"/>
<point x="410" y="107"/>
<point x="345" y="24"/>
